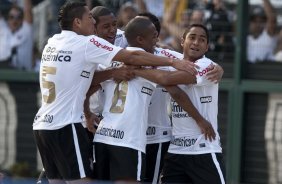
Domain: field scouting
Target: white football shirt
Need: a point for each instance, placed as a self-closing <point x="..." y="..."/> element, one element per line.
<point x="67" y="66"/>
<point x="187" y="136"/>
<point x="159" y="125"/>
<point x="125" y="113"/>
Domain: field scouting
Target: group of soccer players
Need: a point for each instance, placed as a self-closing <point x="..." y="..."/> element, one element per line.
<point x="135" y="133"/>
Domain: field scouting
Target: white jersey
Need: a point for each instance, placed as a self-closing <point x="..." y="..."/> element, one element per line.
<point x="187" y="136"/>
<point x="67" y="66"/>
<point x="125" y="113"/>
<point x="120" y="39"/>
<point x="159" y="124"/>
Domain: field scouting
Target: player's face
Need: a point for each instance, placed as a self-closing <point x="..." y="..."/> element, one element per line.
<point x="107" y="28"/>
<point x="195" y="44"/>
<point x="150" y="39"/>
<point x="86" y="24"/>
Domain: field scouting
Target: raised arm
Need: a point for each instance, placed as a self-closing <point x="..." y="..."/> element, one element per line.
<point x="184" y="101"/>
<point x="142" y="58"/>
<point x="271" y="17"/>
<point x="28" y="11"/>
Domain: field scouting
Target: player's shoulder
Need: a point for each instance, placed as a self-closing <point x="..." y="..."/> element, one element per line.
<point x="168" y="53"/>
<point x="204" y="60"/>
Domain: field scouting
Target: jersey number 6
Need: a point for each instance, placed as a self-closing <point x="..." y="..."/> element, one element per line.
<point x="119" y="97"/>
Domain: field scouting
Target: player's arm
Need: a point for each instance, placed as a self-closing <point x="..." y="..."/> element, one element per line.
<point x="166" y="78"/>
<point x="90" y="117"/>
<point x="184" y="101"/>
<point x="142" y="58"/>
<point x="119" y="74"/>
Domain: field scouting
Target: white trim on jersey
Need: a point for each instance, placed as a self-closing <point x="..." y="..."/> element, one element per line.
<point x="139" y="166"/>
<point x="216" y="163"/>
<point x="78" y="154"/>
<point x="157" y="165"/>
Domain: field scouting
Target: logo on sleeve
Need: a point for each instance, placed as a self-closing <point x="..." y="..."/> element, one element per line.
<point x="85" y="74"/>
<point x="100" y="45"/>
<point x="206" y="70"/>
<point x="147" y="91"/>
<point x="169" y="55"/>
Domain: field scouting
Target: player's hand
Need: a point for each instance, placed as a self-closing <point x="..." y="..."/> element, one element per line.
<point x="185" y="65"/>
<point x="92" y="121"/>
<point x="124" y="73"/>
<point x="207" y="129"/>
<point x="215" y="74"/>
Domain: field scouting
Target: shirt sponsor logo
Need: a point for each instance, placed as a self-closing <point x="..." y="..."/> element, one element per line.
<point x="206" y="99"/>
<point x="147" y="91"/>
<point x="47" y="118"/>
<point x="167" y="54"/>
<point x="85" y="74"/>
<point x="206" y="70"/>
<point x="164" y="90"/>
<point x="99" y="45"/>
<point x="183" y="142"/>
<point x="109" y="132"/>
<point x="178" y="112"/>
<point x="51" y="54"/>
<point x="151" y="131"/>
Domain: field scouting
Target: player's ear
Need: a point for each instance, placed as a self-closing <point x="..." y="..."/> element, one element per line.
<point x="139" y="39"/>
<point x="182" y="41"/>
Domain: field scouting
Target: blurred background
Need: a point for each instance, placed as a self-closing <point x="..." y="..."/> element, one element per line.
<point x="245" y="39"/>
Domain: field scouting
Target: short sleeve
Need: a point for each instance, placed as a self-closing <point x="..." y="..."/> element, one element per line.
<point x="100" y="51"/>
<point x="205" y="65"/>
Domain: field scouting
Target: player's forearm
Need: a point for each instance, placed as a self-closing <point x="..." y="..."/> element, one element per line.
<point x="101" y="76"/>
<point x="86" y="105"/>
<point x="184" y="101"/>
<point x="154" y="75"/>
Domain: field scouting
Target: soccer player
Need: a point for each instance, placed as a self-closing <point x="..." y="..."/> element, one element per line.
<point x="159" y="130"/>
<point x="67" y="66"/>
<point x="194" y="154"/>
<point x="120" y="139"/>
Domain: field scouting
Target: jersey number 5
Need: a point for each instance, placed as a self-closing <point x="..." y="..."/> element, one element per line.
<point x="119" y="97"/>
<point x="48" y="84"/>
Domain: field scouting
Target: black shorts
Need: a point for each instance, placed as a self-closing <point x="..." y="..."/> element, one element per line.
<point x="66" y="152"/>
<point x="154" y="161"/>
<point x="193" y="169"/>
<point x="118" y="163"/>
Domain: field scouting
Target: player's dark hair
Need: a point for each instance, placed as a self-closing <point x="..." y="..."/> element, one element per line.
<point x="99" y="11"/>
<point x="68" y="12"/>
<point x="154" y="19"/>
<point x="196" y="25"/>
<point x="135" y="28"/>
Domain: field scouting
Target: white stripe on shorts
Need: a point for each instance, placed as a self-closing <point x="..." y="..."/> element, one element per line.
<point x="157" y="165"/>
<point x="139" y="166"/>
<point x="216" y="163"/>
<point x="78" y="154"/>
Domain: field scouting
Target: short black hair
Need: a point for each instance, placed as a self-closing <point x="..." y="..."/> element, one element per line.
<point x="154" y="19"/>
<point x="68" y="12"/>
<point x="136" y="27"/>
<point x="196" y="25"/>
<point x="99" y="11"/>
